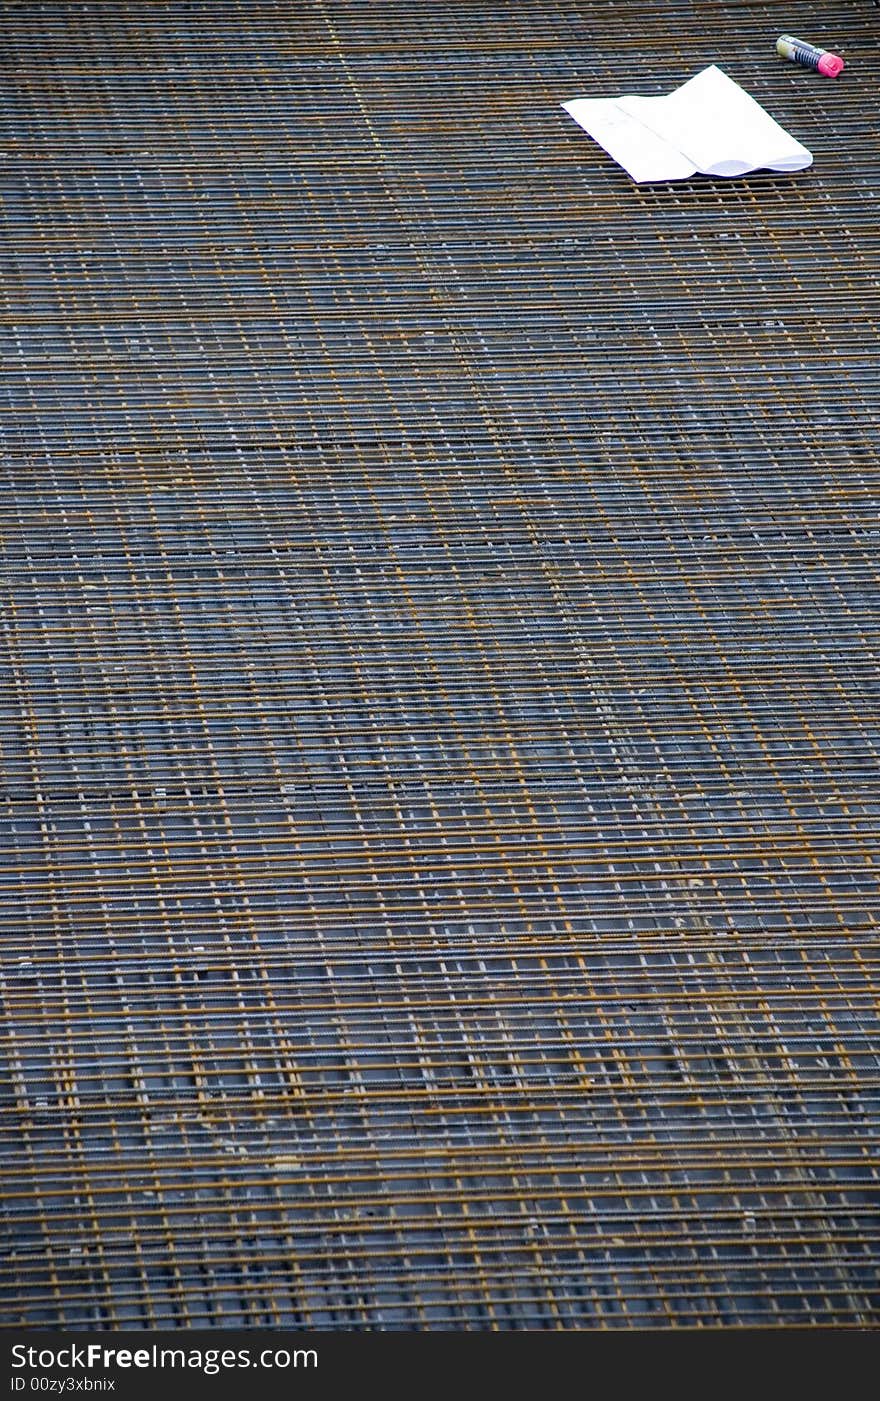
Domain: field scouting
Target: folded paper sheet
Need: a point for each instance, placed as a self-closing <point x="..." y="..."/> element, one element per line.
<point x="708" y="125"/>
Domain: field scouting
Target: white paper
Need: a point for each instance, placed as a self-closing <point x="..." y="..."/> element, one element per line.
<point x="708" y="125"/>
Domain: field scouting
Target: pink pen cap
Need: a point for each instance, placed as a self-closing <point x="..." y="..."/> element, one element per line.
<point x="830" y="64"/>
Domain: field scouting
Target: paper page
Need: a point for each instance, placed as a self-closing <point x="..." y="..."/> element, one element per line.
<point x="719" y="127"/>
<point x="643" y="154"/>
<point x="708" y="124"/>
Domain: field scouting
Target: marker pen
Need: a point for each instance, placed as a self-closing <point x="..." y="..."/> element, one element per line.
<point x="828" y="63"/>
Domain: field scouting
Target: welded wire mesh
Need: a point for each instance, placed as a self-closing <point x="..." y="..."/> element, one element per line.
<point x="439" y="708"/>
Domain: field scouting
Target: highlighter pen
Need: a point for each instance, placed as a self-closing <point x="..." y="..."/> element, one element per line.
<point x="828" y="63"/>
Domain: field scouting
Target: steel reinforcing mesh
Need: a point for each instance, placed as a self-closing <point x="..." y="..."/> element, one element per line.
<point x="439" y="710"/>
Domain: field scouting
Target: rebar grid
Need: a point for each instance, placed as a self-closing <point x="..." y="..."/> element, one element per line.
<point x="438" y="715"/>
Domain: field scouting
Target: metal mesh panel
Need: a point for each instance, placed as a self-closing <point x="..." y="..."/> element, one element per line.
<point x="439" y="700"/>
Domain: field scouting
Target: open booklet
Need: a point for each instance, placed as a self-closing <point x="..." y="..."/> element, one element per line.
<point x="708" y="125"/>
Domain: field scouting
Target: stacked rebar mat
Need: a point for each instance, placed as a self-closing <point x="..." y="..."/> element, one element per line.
<point x="439" y="711"/>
